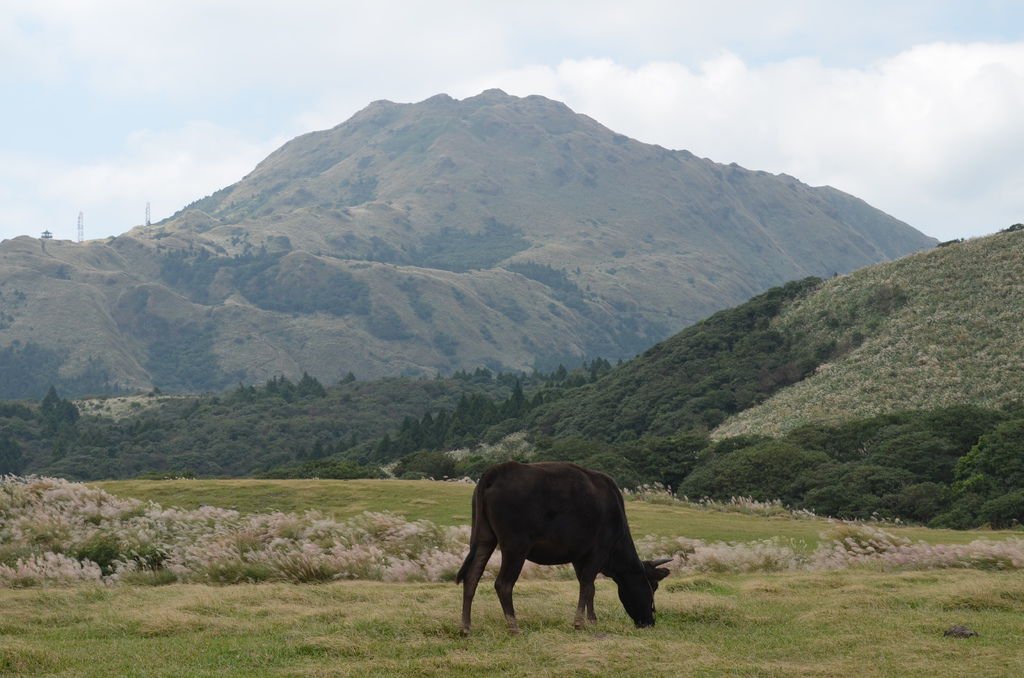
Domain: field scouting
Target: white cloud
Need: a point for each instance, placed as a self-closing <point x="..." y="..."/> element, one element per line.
<point x="831" y="94"/>
<point x="194" y="49"/>
<point x="169" y="169"/>
<point x="931" y="135"/>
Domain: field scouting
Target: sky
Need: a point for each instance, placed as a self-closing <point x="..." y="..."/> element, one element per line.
<point x="916" y="107"/>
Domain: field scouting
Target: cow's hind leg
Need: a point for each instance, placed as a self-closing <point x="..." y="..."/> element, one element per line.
<point x="483" y="550"/>
<point x="586" y="577"/>
<point x="512" y="561"/>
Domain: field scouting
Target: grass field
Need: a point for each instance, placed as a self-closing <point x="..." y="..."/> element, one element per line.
<point x="829" y="624"/>
<point x="808" y="623"/>
<point x="449" y="504"/>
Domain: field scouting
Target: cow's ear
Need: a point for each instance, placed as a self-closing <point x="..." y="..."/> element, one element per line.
<point x="654" y="572"/>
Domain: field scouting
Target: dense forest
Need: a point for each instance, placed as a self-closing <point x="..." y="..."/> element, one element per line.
<point x="649" y="420"/>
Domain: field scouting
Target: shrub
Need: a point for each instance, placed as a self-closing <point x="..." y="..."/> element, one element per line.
<point x="764" y="471"/>
<point x="102" y="548"/>
<point x="1005" y="511"/>
<point x="995" y="465"/>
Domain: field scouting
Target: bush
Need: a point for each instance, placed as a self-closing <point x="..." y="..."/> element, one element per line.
<point x="436" y="465"/>
<point x="996" y="464"/>
<point x="1005" y="511"/>
<point x="771" y="469"/>
<point x="857" y="491"/>
<point x="920" y="502"/>
<point x="101" y="548"/>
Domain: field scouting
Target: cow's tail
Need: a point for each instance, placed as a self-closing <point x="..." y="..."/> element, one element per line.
<point x="478" y="515"/>
<point x="465" y="564"/>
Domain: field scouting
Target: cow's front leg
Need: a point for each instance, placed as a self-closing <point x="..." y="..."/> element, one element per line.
<point x="511" y="565"/>
<point x="585" y="606"/>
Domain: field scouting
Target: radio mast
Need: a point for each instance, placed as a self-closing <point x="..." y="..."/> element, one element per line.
<point x="147" y="214"/>
<point x="81" y="227"/>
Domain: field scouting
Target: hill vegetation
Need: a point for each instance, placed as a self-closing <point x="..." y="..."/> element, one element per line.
<point x="245" y="431"/>
<point x="940" y="452"/>
<point x="935" y="329"/>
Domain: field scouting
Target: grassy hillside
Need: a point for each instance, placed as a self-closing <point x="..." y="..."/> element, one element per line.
<point x="890" y="392"/>
<point x="719" y="366"/>
<point x="938" y="328"/>
<point x="889" y="429"/>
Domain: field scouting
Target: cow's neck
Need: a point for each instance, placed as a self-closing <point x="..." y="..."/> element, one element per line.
<point x="623" y="561"/>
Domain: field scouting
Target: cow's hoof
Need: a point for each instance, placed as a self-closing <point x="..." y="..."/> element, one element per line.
<point x="464" y="632"/>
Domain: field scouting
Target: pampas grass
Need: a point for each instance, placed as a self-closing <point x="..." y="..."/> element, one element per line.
<point x="56" y="532"/>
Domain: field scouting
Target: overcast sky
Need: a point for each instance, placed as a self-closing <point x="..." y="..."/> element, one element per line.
<point x="916" y="107"/>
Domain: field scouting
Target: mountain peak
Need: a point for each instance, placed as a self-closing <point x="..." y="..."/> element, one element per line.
<point x="492" y="94"/>
<point x="441" y="98"/>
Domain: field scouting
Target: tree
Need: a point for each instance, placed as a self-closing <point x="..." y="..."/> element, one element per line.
<point x="309" y="387"/>
<point x="56" y="411"/>
<point x="772" y="469"/>
<point x="1005" y="511"/>
<point x="995" y="465"/>
<point x="11" y="458"/>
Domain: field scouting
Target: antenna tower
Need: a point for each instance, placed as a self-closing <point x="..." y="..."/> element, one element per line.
<point x="147" y="214"/>
<point x="81" y="227"/>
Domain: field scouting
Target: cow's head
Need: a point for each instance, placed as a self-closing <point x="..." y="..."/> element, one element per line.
<point x="637" y="592"/>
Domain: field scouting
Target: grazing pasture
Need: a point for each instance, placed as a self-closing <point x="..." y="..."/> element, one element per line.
<point x="863" y="615"/>
<point x="787" y="624"/>
<point x="449" y="504"/>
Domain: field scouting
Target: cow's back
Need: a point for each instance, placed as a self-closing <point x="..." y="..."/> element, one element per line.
<point x="560" y="511"/>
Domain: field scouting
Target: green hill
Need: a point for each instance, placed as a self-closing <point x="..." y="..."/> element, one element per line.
<point x="940" y="328"/>
<point x="893" y="391"/>
<point x="935" y="329"/>
<point x="719" y="366"/>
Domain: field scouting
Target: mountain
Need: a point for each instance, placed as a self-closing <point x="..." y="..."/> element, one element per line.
<point x="493" y="231"/>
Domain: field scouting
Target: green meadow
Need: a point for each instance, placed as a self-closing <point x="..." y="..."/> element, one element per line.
<point x="827" y="623"/>
<point x="449" y="504"/>
<point x="823" y="624"/>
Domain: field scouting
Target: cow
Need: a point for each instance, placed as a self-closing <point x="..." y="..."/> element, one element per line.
<point x="553" y="513"/>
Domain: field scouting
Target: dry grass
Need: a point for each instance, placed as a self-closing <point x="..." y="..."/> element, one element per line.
<point x="822" y="623"/>
<point x="449" y="504"/>
<point x="764" y="625"/>
<point x="122" y="407"/>
<point x="941" y="328"/>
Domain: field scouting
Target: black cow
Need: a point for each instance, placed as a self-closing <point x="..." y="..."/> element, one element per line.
<point x="552" y="513"/>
